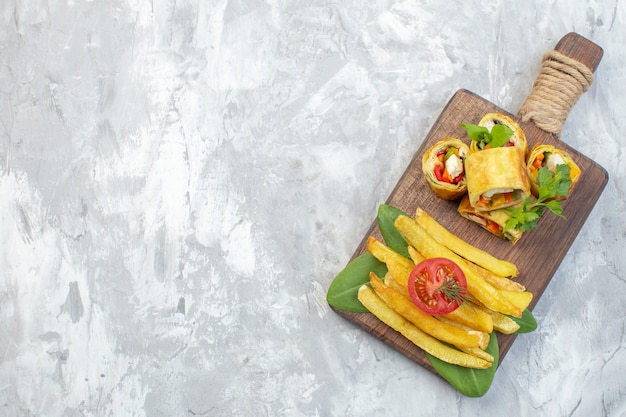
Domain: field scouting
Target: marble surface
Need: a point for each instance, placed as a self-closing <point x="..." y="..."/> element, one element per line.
<point x="180" y="181"/>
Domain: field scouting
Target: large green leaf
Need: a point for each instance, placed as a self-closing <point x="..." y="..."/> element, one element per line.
<point x="469" y="382"/>
<point x="342" y="293"/>
<point x="527" y="322"/>
<point x="387" y="215"/>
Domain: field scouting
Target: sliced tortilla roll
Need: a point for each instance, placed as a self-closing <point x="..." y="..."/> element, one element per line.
<point x="491" y="119"/>
<point x="492" y="221"/>
<point x="443" y="168"/>
<point x="548" y="155"/>
<point x="496" y="178"/>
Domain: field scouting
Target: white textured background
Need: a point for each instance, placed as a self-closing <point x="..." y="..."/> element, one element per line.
<point x="180" y="181"/>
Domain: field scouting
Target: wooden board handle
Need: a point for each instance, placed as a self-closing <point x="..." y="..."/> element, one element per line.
<point x="566" y="73"/>
<point x="581" y="49"/>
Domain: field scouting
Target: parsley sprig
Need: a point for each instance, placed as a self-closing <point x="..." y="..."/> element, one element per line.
<point x="525" y="216"/>
<point x="498" y="136"/>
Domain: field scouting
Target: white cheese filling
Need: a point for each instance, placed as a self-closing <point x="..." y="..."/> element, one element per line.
<point x="454" y="166"/>
<point x="489" y="124"/>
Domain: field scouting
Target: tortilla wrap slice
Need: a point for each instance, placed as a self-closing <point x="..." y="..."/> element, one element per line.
<point x="496" y="178"/>
<point x="445" y="186"/>
<point x="492" y="221"/>
<point x="551" y="157"/>
<point x="518" y="139"/>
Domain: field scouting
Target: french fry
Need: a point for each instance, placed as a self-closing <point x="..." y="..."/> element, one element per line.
<point x="511" y="290"/>
<point x="476" y="285"/>
<point x="503" y="283"/>
<point x="428" y="324"/>
<point x="397" y="265"/>
<point x="464" y="249"/>
<point x="469" y="315"/>
<point x="497" y="281"/>
<point x="390" y="282"/>
<point x="521" y="299"/>
<point x="429" y="344"/>
<point x="416" y="257"/>
<point x="502" y="323"/>
<point x="484" y="337"/>
<point x="479" y="353"/>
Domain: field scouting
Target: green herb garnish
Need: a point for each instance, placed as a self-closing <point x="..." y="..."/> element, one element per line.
<point x="453" y="291"/>
<point x="525" y="216"/>
<point x="498" y="136"/>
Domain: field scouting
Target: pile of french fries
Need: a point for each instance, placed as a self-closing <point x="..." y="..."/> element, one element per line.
<point x="459" y="337"/>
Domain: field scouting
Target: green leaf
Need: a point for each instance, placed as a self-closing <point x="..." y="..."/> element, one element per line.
<point x="477" y="133"/>
<point x="387" y="215"/>
<point x="563" y="182"/>
<point x="527" y="322"/>
<point x="529" y="225"/>
<point x="522" y="217"/>
<point x="544" y="183"/>
<point x="500" y="135"/>
<point x="342" y="293"/>
<point x="563" y="187"/>
<point x="562" y="172"/>
<point x="555" y="207"/>
<point x="469" y="382"/>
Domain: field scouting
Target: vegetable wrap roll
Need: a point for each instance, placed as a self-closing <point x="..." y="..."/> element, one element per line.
<point x="551" y="157"/>
<point x="518" y="139"/>
<point x="496" y="178"/>
<point x="492" y="221"/>
<point x="443" y="168"/>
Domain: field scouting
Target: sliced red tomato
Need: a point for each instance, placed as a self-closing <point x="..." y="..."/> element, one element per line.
<point x="458" y="178"/>
<point x="439" y="173"/>
<point x="443" y="175"/>
<point x="437" y="286"/>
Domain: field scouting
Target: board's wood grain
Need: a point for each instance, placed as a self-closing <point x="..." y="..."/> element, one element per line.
<point x="538" y="253"/>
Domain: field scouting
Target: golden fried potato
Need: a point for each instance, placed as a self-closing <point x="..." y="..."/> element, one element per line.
<point x="390" y="282"/>
<point x="502" y="323"/>
<point x="479" y="353"/>
<point x="497" y="281"/>
<point x="468" y="314"/>
<point x="521" y="299"/>
<point x="398" y="266"/>
<point x="416" y="257"/>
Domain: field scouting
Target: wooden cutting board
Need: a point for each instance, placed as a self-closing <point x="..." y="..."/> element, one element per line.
<point x="538" y="253"/>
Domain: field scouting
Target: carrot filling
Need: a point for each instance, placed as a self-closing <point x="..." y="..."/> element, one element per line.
<point x="537" y="163"/>
<point x="490" y="225"/>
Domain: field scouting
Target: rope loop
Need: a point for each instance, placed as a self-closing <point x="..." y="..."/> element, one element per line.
<point x="560" y="83"/>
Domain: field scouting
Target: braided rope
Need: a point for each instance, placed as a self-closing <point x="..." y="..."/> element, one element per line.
<point x="560" y="83"/>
